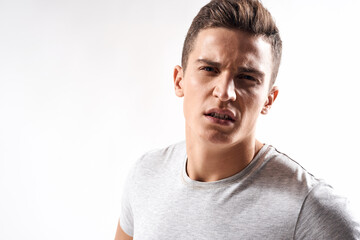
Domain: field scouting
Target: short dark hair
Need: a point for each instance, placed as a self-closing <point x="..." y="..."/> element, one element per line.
<point x="246" y="15"/>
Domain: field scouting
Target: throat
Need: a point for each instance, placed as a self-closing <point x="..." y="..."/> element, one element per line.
<point x="208" y="161"/>
<point x="210" y="167"/>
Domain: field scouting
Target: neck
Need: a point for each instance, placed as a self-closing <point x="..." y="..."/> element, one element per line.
<point x="211" y="162"/>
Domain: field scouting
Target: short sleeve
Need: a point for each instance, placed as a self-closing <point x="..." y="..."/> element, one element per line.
<point x="126" y="213"/>
<point x="326" y="215"/>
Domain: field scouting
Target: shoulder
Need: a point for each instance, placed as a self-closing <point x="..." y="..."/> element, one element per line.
<point x="284" y="162"/>
<point x="154" y="166"/>
<point x="283" y="170"/>
<point x="160" y="159"/>
<point x="326" y="215"/>
<point x="166" y="152"/>
<point x="322" y="212"/>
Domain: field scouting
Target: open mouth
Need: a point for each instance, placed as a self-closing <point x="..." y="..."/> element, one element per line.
<point x="220" y="116"/>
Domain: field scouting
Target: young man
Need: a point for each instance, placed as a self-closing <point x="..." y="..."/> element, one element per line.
<point x="222" y="183"/>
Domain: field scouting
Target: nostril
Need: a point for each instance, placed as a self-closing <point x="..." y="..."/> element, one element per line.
<point x="225" y="88"/>
<point x="225" y="94"/>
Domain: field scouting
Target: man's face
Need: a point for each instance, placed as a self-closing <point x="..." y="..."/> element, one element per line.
<point x="226" y="85"/>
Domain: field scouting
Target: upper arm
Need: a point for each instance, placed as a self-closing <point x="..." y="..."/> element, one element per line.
<point x="326" y="215"/>
<point x="120" y="234"/>
<point x="126" y="229"/>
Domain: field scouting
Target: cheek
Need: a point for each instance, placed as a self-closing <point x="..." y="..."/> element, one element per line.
<point x="251" y="101"/>
<point x="197" y="83"/>
<point x="191" y="97"/>
<point x="197" y="89"/>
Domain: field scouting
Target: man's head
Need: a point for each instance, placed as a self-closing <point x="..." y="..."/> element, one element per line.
<point x="246" y="15"/>
<point x="229" y="60"/>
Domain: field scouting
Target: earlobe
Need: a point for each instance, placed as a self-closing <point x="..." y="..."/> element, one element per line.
<point x="270" y="99"/>
<point x="178" y="81"/>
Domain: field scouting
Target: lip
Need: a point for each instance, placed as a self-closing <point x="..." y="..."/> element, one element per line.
<point x="228" y="112"/>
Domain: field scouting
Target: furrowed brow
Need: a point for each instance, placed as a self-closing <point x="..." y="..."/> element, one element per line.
<point x="209" y="62"/>
<point x="251" y="70"/>
<point x="240" y="69"/>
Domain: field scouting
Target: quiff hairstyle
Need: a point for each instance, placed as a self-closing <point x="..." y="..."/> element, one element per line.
<point x="246" y="15"/>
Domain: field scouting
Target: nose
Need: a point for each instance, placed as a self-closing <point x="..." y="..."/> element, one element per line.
<point x="224" y="89"/>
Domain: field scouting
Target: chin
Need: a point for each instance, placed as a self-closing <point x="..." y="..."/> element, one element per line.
<point x="219" y="138"/>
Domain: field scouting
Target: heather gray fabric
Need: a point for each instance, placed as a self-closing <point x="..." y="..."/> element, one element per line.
<point x="272" y="198"/>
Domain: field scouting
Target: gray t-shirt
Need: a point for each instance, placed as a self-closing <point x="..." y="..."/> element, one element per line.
<point x="272" y="198"/>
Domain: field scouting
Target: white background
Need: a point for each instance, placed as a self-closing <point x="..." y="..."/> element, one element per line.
<point x="86" y="88"/>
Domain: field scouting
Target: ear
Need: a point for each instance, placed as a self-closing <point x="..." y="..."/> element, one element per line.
<point x="270" y="99"/>
<point x="178" y="81"/>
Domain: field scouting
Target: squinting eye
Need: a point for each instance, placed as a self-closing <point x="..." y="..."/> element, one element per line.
<point x="247" y="77"/>
<point x="208" y="69"/>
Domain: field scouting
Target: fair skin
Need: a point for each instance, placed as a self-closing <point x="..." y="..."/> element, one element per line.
<point x="227" y="85"/>
<point x="120" y="234"/>
<point x="228" y="73"/>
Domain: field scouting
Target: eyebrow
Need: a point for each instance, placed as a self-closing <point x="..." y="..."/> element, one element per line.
<point x="251" y="70"/>
<point x="209" y="62"/>
<point x="240" y="69"/>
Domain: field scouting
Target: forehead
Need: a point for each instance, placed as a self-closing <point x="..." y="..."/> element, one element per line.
<point x="233" y="48"/>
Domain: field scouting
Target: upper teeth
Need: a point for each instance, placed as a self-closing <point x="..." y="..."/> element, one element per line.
<point x="221" y="116"/>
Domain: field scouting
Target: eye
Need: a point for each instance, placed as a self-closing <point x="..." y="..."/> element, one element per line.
<point x="247" y="77"/>
<point x="208" y="69"/>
